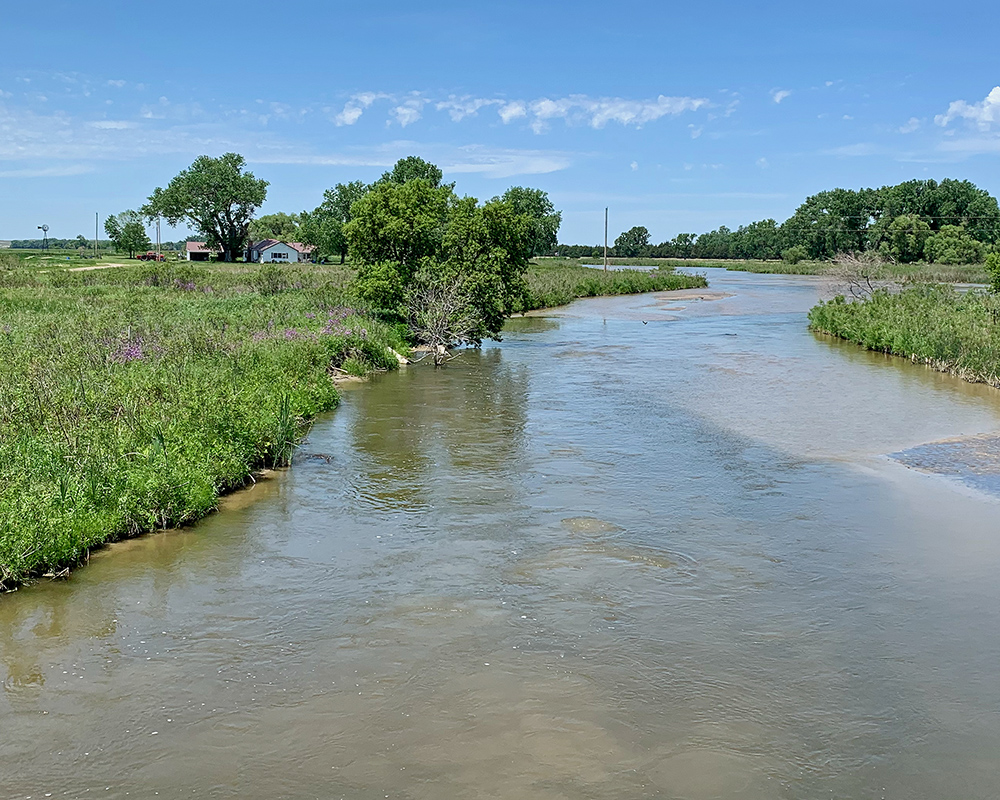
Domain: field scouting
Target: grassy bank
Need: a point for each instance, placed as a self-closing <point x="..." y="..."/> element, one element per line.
<point x="926" y="273"/>
<point x="952" y="331"/>
<point x="915" y="273"/>
<point x="555" y="282"/>
<point x="132" y="397"/>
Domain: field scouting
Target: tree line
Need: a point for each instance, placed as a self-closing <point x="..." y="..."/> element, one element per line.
<point x="948" y="222"/>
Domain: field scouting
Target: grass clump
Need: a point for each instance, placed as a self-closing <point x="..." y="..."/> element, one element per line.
<point x="130" y="399"/>
<point x="553" y="282"/>
<point x="957" y="332"/>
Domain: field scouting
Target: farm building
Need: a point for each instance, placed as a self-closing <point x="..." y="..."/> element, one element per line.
<point x="269" y="250"/>
<point x="197" y="251"/>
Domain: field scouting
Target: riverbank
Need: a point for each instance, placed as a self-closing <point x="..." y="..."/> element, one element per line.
<point x="912" y="273"/>
<point x="132" y="398"/>
<point x="952" y="331"/>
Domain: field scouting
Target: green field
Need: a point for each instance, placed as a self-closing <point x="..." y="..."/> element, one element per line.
<point x="132" y="397"/>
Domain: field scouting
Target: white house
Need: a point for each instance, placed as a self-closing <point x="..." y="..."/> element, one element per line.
<point x="271" y="250"/>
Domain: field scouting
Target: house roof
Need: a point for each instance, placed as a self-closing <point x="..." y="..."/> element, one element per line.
<point x="264" y="244"/>
<point x="198" y="247"/>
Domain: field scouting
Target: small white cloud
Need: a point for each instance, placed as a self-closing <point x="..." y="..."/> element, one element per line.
<point x="829" y="83"/>
<point x="459" y="108"/>
<point x="910" y="126"/>
<point x="355" y="107"/>
<point x="780" y="94"/>
<point x="635" y="166"/>
<point x="847" y="116"/>
<point x="409" y="111"/>
<point x="982" y="114"/>
<point x="696" y="130"/>
<point x="511" y="111"/>
<point x="119" y="84"/>
<point x="762" y="163"/>
<point x="48" y="172"/>
<point x="111" y="124"/>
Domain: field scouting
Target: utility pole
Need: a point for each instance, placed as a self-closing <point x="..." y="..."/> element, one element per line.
<point x="97" y="221"/>
<point x="605" y="238"/>
<point x="157" y="238"/>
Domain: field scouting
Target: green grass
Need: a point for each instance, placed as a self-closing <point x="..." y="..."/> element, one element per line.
<point x="957" y="332"/>
<point x="915" y="273"/>
<point x="132" y="397"/>
<point x="555" y="282"/>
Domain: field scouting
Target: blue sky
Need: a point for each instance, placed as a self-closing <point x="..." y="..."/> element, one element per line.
<point x="679" y="116"/>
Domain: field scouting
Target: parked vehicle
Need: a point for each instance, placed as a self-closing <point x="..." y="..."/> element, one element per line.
<point x="151" y="256"/>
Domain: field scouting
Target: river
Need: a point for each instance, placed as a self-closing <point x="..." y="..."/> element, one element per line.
<point x="646" y="547"/>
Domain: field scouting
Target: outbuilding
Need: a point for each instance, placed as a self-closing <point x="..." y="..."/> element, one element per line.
<point x="198" y="251"/>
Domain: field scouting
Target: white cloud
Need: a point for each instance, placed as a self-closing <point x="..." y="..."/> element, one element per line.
<point x="983" y="114"/>
<point x="112" y="124"/>
<point x="762" y="163"/>
<point x="5" y="94"/>
<point x="780" y="94"/>
<point x="513" y="110"/>
<point x="459" y="108"/>
<point x="635" y="166"/>
<point x="409" y="111"/>
<point x="119" y="84"/>
<point x="912" y="124"/>
<point x="48" y="172"/>
<point x="597" y="112"/>
<point x="486" y="161"/>
<point x="355" y="107"/>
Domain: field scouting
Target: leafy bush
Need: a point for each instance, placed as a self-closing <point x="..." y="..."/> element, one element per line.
<point x="794" y="254"/>
<point x="952" y="245"/>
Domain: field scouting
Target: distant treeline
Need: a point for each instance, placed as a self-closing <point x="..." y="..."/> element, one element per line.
<point x="948" y="222"/>
<point x="78" y="242"/>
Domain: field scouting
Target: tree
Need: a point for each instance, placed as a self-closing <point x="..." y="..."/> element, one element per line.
<point x="833" y="221"/>
<point x="760" y="239"/>
<point x="905" y="238"/>
<point x="285" y="227"/>
<point x="127" y="232"/>
<point x="452" y="268"/>
<point x="632" y="243"/>
<point x="324" y="226"/>
<point x="400" y="224"/>
<point x="545" y="219"/>
<point x="215" y="197"/>
<point x="413" y="168"/>
<point x="952" y="245"/>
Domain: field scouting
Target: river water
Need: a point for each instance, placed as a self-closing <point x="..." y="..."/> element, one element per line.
<point x="647" y="547"/>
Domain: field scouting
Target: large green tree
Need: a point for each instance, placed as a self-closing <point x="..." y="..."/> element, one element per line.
<point x="413" y="168"/>
<point x="537" y="206"/>
<point x="280" y="225"/>
<point x="215" y="197"/>
<point x="323" y="227"/>
<point x="127" y="232"/>
<point x="452" y="268"/>
<point x="633" y="242"/>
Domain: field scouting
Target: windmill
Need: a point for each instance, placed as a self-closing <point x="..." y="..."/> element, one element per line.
<point x="45" y="236"/>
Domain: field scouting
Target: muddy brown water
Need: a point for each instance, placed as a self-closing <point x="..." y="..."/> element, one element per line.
<point x="644" y="548"/>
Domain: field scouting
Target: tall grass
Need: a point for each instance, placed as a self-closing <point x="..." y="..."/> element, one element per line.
<point x="937" y="325"/>
<point x="554" y="282"/>
<point x="130" y="400"/>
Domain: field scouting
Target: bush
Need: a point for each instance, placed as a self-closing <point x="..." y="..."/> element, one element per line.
<point x="952" y="245"/>
<point x="993" y="270"/>
<point x="794" y="254"/>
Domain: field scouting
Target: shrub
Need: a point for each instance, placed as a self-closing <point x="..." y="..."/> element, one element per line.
<point x="794" y="254"/>
<point x="952" y="245"/>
